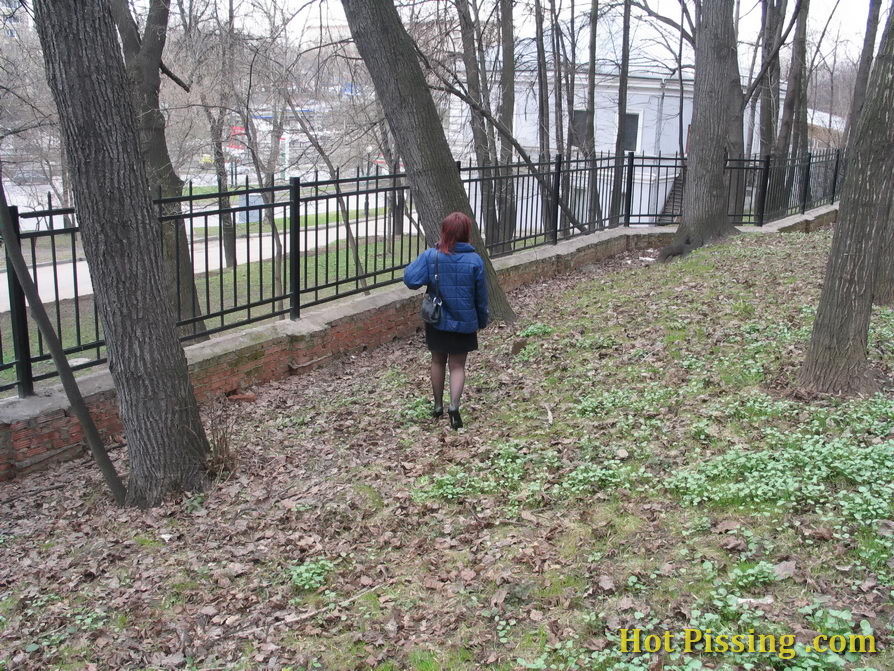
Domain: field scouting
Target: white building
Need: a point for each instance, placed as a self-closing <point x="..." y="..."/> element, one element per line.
<point x="655" y="109"/>
<point x="653" y="113"/>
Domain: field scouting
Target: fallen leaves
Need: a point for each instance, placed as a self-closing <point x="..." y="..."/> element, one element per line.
<point x="328" y="468"/>
<point x="606" y="583"/>
<point x="785" y="569"/>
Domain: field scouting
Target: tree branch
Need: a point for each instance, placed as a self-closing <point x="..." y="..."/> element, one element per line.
<point x="774" y="55"/>
<point x="127" y="28"/>
<point x="174" y="78"/>
<point x="525" y="157"/>
<point x="688" y="16"/>
<point x="644" y="6"/>
<point x="156" y="31"/>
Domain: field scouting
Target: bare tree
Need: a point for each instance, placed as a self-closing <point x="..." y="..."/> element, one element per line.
<point x="618" y="174"/>
<point x="391" y="59"/>
<point x="215" y="57"/>
<point x="594" y="201"/>
<point x="143" y="59"/>
<point x="506" y="187"/>
<point x="795" y="85"/>
<point x="474" y="70"/>
<point x="836" y="358"/>
<point x="865" y="65"/>
<point x="704" y="194"/>
<point x="772" y="23"/>
<point x="166" y="441"/>
<point x="543" y="131"/>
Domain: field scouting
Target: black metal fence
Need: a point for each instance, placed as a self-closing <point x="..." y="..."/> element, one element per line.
<point x="261" y="253"/>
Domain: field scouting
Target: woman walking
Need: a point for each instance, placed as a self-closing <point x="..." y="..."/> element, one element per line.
<point x="453" y="272"/>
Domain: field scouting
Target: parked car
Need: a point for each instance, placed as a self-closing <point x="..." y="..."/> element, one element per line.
<point x="28" y="177"/>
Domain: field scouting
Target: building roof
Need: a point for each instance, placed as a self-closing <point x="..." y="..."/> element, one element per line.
<point x="826" y="120"/>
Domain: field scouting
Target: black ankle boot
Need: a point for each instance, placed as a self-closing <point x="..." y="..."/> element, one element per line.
<point x="438" y="411"/>
<point x="456" y="422"/>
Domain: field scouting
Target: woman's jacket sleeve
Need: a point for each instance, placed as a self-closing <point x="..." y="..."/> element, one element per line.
<point x="416" y="274"/>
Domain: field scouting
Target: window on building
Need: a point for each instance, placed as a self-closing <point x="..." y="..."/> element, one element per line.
<point x="581" y="128"/>
<point x="630" y="136"/>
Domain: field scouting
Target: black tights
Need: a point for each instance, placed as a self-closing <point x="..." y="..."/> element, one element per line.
<point x="457" y="364"/>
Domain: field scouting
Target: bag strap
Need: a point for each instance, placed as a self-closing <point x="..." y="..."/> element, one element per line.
<point x="436" y="278"/>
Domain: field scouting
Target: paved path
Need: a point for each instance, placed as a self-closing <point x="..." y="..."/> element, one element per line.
<point x="206" y="258"/>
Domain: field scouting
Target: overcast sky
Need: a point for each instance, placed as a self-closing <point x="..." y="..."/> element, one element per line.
<point x="848" y="22"/>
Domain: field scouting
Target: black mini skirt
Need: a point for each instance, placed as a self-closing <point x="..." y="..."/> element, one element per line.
<point x="450" y="342"/>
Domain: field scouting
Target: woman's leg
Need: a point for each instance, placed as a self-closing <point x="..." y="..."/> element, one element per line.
<point x="438" y="373"/>
<point x="457" y="364"/>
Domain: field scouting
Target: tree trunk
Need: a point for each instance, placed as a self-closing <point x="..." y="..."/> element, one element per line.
<point x="836" y="358"/>
<point x="342" y="204"/>
<point x="618" y="173"/>
<point x="143" y="63"/>
<point x="479" y="130"/>
<point x="883" y="294"/>
<point x="796" y="81"/>
<point x="555" y="45"/>
<point x="395" y="196"/>
<point x="389" y="55"/>
<point x="704" y="194"/>
<point x="546" y="201"/>
<point x="225" y="218"/>
<point x="506" y="185"/>
<point x="166" y="441"/>
<point x="594" y="202"/>
<point x="864" y="67"/>
<point x="749" y="143"/>
<point x="265" y="171"/>
<point x="566" y="75"/>
<point x="735" y="144"/>
<point x="783" y="177"/>
<point x="772" y="19"/>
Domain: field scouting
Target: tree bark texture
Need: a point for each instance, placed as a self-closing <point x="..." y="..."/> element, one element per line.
<point x="865" y="66"/>
<point x="479" y="127"/>
<point x="546" y="200"/>
<point x="704" y="194"/>
<point x="227" y="225"/>
<point x="389" y="55"/>
<point x="506" y="186"/>
<point x="594" y="204"/>
<point x="618" y="173"/>
<point x="166" y="441"/>
<point x="142" y="59"/>
<point x="772" y="20"/>
<point x="796" y="81"/>
<point x="783" y="175"/>
<point x="735" y="141"/>
<point x="836" y="358"/>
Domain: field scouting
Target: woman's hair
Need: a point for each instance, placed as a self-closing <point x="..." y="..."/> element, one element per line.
<point x="456" y="227"/>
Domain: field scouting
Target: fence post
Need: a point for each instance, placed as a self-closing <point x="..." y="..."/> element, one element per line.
<point x="805" y="187"/>
<point x="294" y="251"/>
<point x="628" y="197"/>
<point x="557" y="186"/>
<point x="21" y="340"/>
<point x="835" y="176"/>
<point x="764" y="187"/>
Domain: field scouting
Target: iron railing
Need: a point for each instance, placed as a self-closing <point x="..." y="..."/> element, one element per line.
<point x="259" y="253"/>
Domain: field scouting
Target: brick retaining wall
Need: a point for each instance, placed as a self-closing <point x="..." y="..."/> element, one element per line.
<point x="40" y="430"/>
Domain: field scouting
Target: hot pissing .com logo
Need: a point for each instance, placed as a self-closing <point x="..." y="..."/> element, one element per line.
<point x="697" y="641"/>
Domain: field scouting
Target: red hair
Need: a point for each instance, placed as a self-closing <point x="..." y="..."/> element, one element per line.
<point x="456" y="227"/>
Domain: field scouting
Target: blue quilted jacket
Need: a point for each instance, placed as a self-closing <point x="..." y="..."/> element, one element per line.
<point x="461" y="284"/>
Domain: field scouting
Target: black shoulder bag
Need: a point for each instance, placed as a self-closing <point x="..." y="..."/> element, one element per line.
<point x="431" y="302"/>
